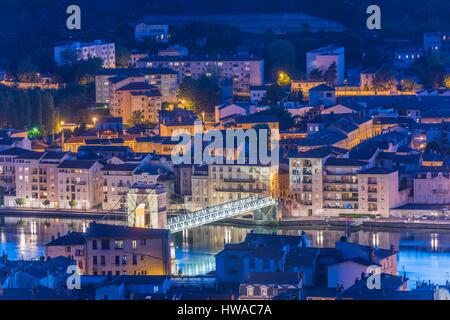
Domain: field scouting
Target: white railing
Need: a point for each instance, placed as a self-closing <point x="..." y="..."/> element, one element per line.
<point x="216" y="213"/>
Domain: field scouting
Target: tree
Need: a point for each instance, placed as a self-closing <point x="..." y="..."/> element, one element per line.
<point x="409" y="85"/>
<point x="26" y="71"/>
<point x="447" y="81"/>
<point x="283" y="79"/>
<point x="433" y="146"/>
<point x="200" y="95"/>
<point x="275" y="93"/>
<point x="330" y="75"/>
<point x="137" y="118"/>
<point x="46" y="203"/>
<point x="285" y="118"/>
<point x="122" y="57"/>
<point x="73" y="203"/>
<point x="20" y="201"/>
<point x="316" y="74"/>
<point x="384" y="79"/>
<point x="280" y="55"/>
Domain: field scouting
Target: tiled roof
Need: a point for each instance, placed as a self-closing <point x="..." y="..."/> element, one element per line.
<point x="77" y="164"/>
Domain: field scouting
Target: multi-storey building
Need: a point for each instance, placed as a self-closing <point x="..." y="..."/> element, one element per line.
<point x="244" y="71"/>
<point x="136" y="97"/>
<point x="432" y="185"/>
<point x="117" y="180"/>
<point x="116" y="250"/>
<point x="231" y="182"/>
<point x="322" y="58"/>
<point x="8" y="169"/>
<point x="324" y="182"/>
<point x="83" y="51"/>
<point x="36" y="176"/>
<point x="80" y="184"/>
<point x="107" y="80"/>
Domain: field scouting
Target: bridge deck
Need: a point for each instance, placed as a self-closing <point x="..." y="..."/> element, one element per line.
<point x="216" y="213"/>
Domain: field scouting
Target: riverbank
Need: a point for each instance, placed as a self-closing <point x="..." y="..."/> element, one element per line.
<point x="352" y="225"/>
<point x="61" y="214"/>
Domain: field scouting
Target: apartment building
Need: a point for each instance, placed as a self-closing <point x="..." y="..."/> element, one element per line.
<point x="36" y="178"/>
<point x="432" y="185"/>
<point x="136" y="97"/>
<point x="324" y="182"/>
<point x="8" y="169"/>
<point x="322" y="58"/>
<point x="245" y="71"/>
<point x="200" y="184"/>
<point x="232" y="182"/>
<point x="117" y="180"/>
<point x="83" y="51"/>
<point x="107" y="80"/>
<point x="116" y="250"/>
<point x="80" y="184"/>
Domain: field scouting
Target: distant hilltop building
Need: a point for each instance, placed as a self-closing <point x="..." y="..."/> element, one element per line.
<point x="280" y="23"/>
<point x="438" y="42"/>
<point x="244" y="70"/>
<point x="158" y="32"/>
<point x="321" y="59"/>
<point x="68" y="52"/>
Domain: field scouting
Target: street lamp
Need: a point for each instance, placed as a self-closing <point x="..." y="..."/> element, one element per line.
<point x="94" y="120"/>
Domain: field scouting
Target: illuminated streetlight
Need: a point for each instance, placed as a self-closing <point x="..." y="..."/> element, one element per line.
<point x="94" y="120"/>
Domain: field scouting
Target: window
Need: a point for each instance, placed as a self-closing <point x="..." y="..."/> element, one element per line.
<point x="94" y="260"/>
<point x="117" y="260"/>
<point x="103" y="261"/>
<point x="264" y="292"/>
<point x="250" y="292"/>
<point x="134" y="244"/>
<point x="266" y="264"/>
<point x="143" y="242"/>
<point x="105" y="244"/>
<point x="124" y="260"/>
<point x="118" y="244"/>
<point x="135" y="259"/>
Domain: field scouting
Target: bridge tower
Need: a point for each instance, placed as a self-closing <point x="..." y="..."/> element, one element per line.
<point x="147" y="206"/>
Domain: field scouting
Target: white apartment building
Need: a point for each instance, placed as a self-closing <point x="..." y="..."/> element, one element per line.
<point x="85" y="51"/>
<point x="107" y="80"/>
<point x="244" y="71"/>
<point x="80" y="184"/>
<point x="36" y="179"/>
<point x="323" y="182"/>
<point x="8" y="169"/>
<point x="322" y="58"/>
<point x="432" y="185"/>
<point x="158" y="32"/>
<point x="117" y="180"/>
<point x="232" y="182"/>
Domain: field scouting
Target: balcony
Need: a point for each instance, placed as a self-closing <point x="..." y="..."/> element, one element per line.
<point x="240" y="180"/>
<point x="371" y="181"/>
<point x="372" y="199"/>
<point x="253" y="190"/>
<point x="372" y="190"/>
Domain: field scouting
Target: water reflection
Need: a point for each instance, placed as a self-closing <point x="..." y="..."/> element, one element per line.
<point x="422" y="255"/>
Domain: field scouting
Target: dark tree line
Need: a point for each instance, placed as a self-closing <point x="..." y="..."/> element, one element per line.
<point x="28" y="109"/>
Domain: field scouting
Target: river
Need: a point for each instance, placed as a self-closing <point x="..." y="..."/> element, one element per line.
<point x="423" y="255"/>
